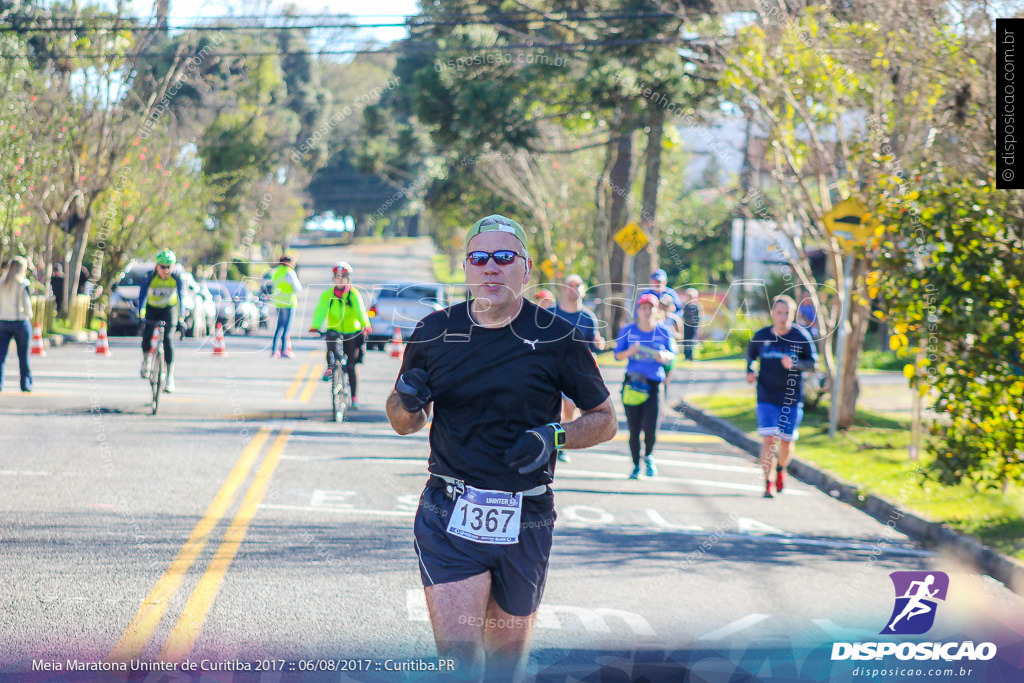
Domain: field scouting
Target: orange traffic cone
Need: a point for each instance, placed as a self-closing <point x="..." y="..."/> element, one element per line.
<point x="218" y="342"/>
<point x="102" y="345"/>
<point x="396" y="344"/>
<point x="37" y="340"/>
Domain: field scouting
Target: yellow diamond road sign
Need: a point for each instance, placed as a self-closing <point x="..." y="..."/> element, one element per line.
<point x="850" y="222"/>
<point x="632" y="239"/>
<point x="548" y="267"/>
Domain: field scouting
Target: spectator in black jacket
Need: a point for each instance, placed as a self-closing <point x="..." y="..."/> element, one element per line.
<point x="691" y="321"/>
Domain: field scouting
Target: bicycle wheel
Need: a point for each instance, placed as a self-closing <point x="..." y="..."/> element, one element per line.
<point x="337" y="402"/>
<point x="346" y="388"/>
<point x="156" y="374"/>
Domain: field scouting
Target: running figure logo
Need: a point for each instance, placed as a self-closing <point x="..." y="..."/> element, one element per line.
<point x="916" y="595"/>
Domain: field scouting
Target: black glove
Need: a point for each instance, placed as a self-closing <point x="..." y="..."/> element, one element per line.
<point x="413" y="390"/>
<point x="532" y="450"/>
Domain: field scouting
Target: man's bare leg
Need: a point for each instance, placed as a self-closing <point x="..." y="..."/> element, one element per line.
<point x="507" y="642"/>
<point x="457" y="613"/>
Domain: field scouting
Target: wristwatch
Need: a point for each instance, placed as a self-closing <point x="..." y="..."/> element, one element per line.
<point x="559" y="435"/>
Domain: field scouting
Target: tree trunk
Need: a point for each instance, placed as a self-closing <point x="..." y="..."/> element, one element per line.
<point x="77" y="257"/>
<point x="647" y="259"/>
<point x="618" y="216"/>
<point x="849" y="386"/>
<point x="602" y="237"/>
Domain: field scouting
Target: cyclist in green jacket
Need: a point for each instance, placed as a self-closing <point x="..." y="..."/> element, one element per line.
<point x="341" y="308"/>
<point x="160" y="300"/>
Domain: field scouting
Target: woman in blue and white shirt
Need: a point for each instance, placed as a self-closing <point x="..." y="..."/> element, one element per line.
<point x="649" y="348"/>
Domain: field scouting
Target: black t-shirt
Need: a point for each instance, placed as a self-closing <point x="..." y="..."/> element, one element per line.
<point x="489" y="386"/>
<point x="776" y="384"/>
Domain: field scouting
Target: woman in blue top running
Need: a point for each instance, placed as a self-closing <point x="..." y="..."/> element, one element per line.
<point x="649" y="348"/>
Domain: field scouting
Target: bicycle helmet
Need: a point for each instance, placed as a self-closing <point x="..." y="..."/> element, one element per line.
<point x="342" y="267"/>
<point x="166" y="258"/>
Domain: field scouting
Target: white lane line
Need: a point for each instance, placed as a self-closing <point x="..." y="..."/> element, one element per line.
<point x="590" y="474"/>
<point x="746" y="525"/>
<point x="322" y="458"/>
<point x="349" y="511"/>
<point x="691" y="463"/>
<point x="735" y="627"/>
<point x="24" y="473"/>
<point x="416" y="605"/>
<point x="660" y="521"/>
<point x="676" y="529"/>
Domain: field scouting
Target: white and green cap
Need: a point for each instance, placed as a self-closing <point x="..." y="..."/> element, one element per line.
<point x="501" y="224"/>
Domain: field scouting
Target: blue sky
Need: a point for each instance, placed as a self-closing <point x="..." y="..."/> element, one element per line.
<point x="377" y="11"/>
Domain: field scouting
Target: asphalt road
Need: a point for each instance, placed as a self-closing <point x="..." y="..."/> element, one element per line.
<point x="240" y="525"/>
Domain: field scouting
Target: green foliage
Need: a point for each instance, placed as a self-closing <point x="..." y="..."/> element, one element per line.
<point x="951" y="273"/>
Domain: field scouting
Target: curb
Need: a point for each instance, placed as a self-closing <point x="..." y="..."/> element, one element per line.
<point x="55" y="340"/>
<point x="1004" y="569"/>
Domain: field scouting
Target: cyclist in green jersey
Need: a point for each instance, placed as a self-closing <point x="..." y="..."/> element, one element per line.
<point x="160" y="299"/>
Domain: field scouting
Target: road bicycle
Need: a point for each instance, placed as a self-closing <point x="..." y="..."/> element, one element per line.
<point x="341" y="392"/>
<point x="157" y="363"/>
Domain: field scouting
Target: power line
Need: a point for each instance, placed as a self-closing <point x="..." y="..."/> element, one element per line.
<point x="411" y="22"/>
<point x="405" y="47"/>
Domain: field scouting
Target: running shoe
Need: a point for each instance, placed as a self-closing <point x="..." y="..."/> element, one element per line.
<point x="651" y="467"/>
<point x="768" y="490"/>
<point x="275" y="354"/>
<point x="144" y="370"/>
<point x="779" y="479"/>
<point x="636" y="472"/>
<point x="563" y="457"/>
<point x="288" y="354"/>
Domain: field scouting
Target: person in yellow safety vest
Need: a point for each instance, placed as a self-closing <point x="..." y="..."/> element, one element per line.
<point x="160" y="299"/>
<point x="342" y="308"/>
<point x="286" y="289"/>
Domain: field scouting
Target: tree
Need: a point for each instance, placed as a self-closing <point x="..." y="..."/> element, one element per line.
<point x="949" y="270"/>
<point x="80" y="92"/>
<point x="954" y="296"/>
<point x="811" y="79"/>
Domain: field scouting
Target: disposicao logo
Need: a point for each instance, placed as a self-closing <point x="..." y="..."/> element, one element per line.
<point x="916" y="596"/>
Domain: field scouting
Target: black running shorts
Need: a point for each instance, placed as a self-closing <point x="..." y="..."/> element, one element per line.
<point x="518" y="571"/>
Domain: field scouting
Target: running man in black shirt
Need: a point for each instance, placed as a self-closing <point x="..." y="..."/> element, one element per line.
<point x="785" y="351"/>
<point x="492" y="371"/>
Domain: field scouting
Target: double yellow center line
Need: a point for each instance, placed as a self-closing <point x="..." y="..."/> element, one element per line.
<point x="154" y="607"/>
<point x="311" y="373"/>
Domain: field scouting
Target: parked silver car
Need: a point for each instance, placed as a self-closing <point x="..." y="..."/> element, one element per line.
<point x="401" y="305"/>
<point x="246" y="313"/>
<point x="223" y="305"/>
